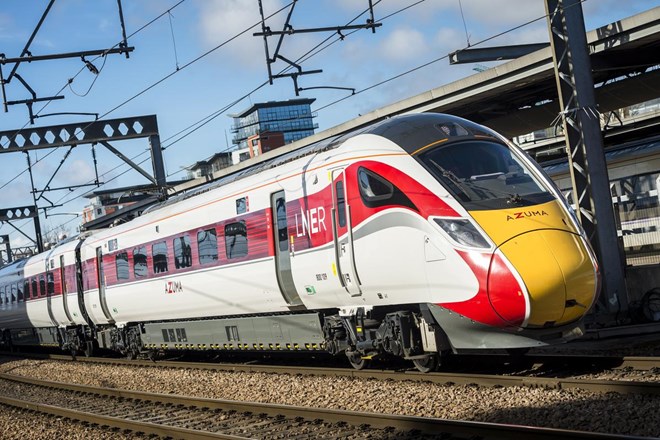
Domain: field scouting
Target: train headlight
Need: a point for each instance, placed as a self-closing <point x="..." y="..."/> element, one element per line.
<point x="463" y="232"/>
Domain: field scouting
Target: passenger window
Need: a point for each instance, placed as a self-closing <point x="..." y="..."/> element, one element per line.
<point x="19" y="296"/>
<point x="35" y="291"/>
<point x="121" y="262"/>
<point x="236" y="244"/>
<point x="207" y="244"/>
<point x="182" y="252"/>
<point x="42" y="285"/>
<point x="26" y="290"/>
<point x="241" y="205"/>
<point x="341" y="204"/>
<point x="140" y="261"/>
<point x="159" y="252"/>
<point x="51" y="283"/>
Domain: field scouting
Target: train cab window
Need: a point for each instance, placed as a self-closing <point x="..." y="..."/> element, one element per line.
<point x="34" y="290"/>
<point x="341" y="203"/>
<point x="485" y="175"/>
<point x="236" y="243"/>
<point x="377" y="191"/>
<point x="121" y="263"/>
<point x="159" y="252"/>
<point x="140" y="261"/>
<point x="207" y="244"/>
<point x="182" y="252"/>
<point x="51" y="283"/>
<point x="42" y="285"/>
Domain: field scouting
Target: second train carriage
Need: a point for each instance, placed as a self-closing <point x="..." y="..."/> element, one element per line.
<point x="419" y="235"/>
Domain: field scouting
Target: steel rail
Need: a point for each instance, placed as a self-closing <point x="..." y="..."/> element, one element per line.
<point x="488" y="380"/>
<point x="117" y="422"/>
<point x="436" y="428"/>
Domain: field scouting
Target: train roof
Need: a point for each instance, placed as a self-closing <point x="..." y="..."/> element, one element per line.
<point x="317" y="147"/>
<point x="13" y="266"/>
<point x="410" y="132"/>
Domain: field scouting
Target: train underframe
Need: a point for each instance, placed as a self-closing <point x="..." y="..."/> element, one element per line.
<point x="359" y="333"/>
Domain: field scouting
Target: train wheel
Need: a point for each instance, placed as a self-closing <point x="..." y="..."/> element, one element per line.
<point x="358" y="362"/>
<point x="428" y="363"/>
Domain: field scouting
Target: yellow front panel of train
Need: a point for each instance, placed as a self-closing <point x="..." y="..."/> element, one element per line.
<point x="579" y="274"/>
<point x="534" y="260"/>
<point x="549" y="255"/>
<point x="504" y="224"/>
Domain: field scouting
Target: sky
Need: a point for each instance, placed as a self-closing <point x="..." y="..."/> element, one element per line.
<point x="199" y="58"/>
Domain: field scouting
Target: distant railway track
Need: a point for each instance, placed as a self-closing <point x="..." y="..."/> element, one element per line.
<point x="487" y="380"/>
<point x="175" y="416"/>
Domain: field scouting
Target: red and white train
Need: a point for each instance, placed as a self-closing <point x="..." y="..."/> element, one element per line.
<point x="420" y="235"/>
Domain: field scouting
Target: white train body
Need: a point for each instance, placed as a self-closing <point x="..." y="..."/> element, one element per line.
<point x="326" y="248"/>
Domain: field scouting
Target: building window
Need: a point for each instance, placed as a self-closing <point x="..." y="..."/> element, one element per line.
<point x="121" y="263"/>
<point x="182" y="252"/>
<point x="140" y="261"/>
<point x="159" y="253"/>
<point x="207" y="243"/>
<point x="236" y="244"/>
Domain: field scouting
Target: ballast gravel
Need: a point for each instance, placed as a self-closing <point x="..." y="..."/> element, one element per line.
<point x="566" y="409"/>
<point x="20" y="424"/>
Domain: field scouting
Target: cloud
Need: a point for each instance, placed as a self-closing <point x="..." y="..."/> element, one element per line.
<point x="403" y="44"/>
<point x="510" y="12"/>
<point x="224" y="19"/>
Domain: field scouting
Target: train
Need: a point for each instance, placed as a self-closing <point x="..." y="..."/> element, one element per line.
<point x="419" y="237"/>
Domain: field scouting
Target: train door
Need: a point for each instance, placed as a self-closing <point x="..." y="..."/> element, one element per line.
<point x="64" y="289"/>
<point x="342" y="231"/>
<point x="50" y="291"/>
<point x="80" y="285"/>
<point x="101" y="278"/>
<point x="282" y="255"/>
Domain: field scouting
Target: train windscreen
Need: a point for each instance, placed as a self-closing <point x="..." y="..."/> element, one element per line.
<point x="485" y="175"/>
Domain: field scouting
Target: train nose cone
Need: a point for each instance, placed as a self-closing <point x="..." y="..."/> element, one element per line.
<point x="557" y="271"/>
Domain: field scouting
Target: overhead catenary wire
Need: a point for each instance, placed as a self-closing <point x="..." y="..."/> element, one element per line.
<point x="68" y="84"/>
<point x="199" y="124"/>
<point x="212" y="116"/>
<point x="70" y="81"/>
<point x="205" y="54"/>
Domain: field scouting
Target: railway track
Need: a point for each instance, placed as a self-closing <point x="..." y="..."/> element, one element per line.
<point x="174" y="416"/>
<point x="487" y="380"/>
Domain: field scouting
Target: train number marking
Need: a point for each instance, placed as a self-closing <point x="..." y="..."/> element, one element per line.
<point x="173" y="287"/>
<point x="321" y="276"/>
<point x="312" y="221"/>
